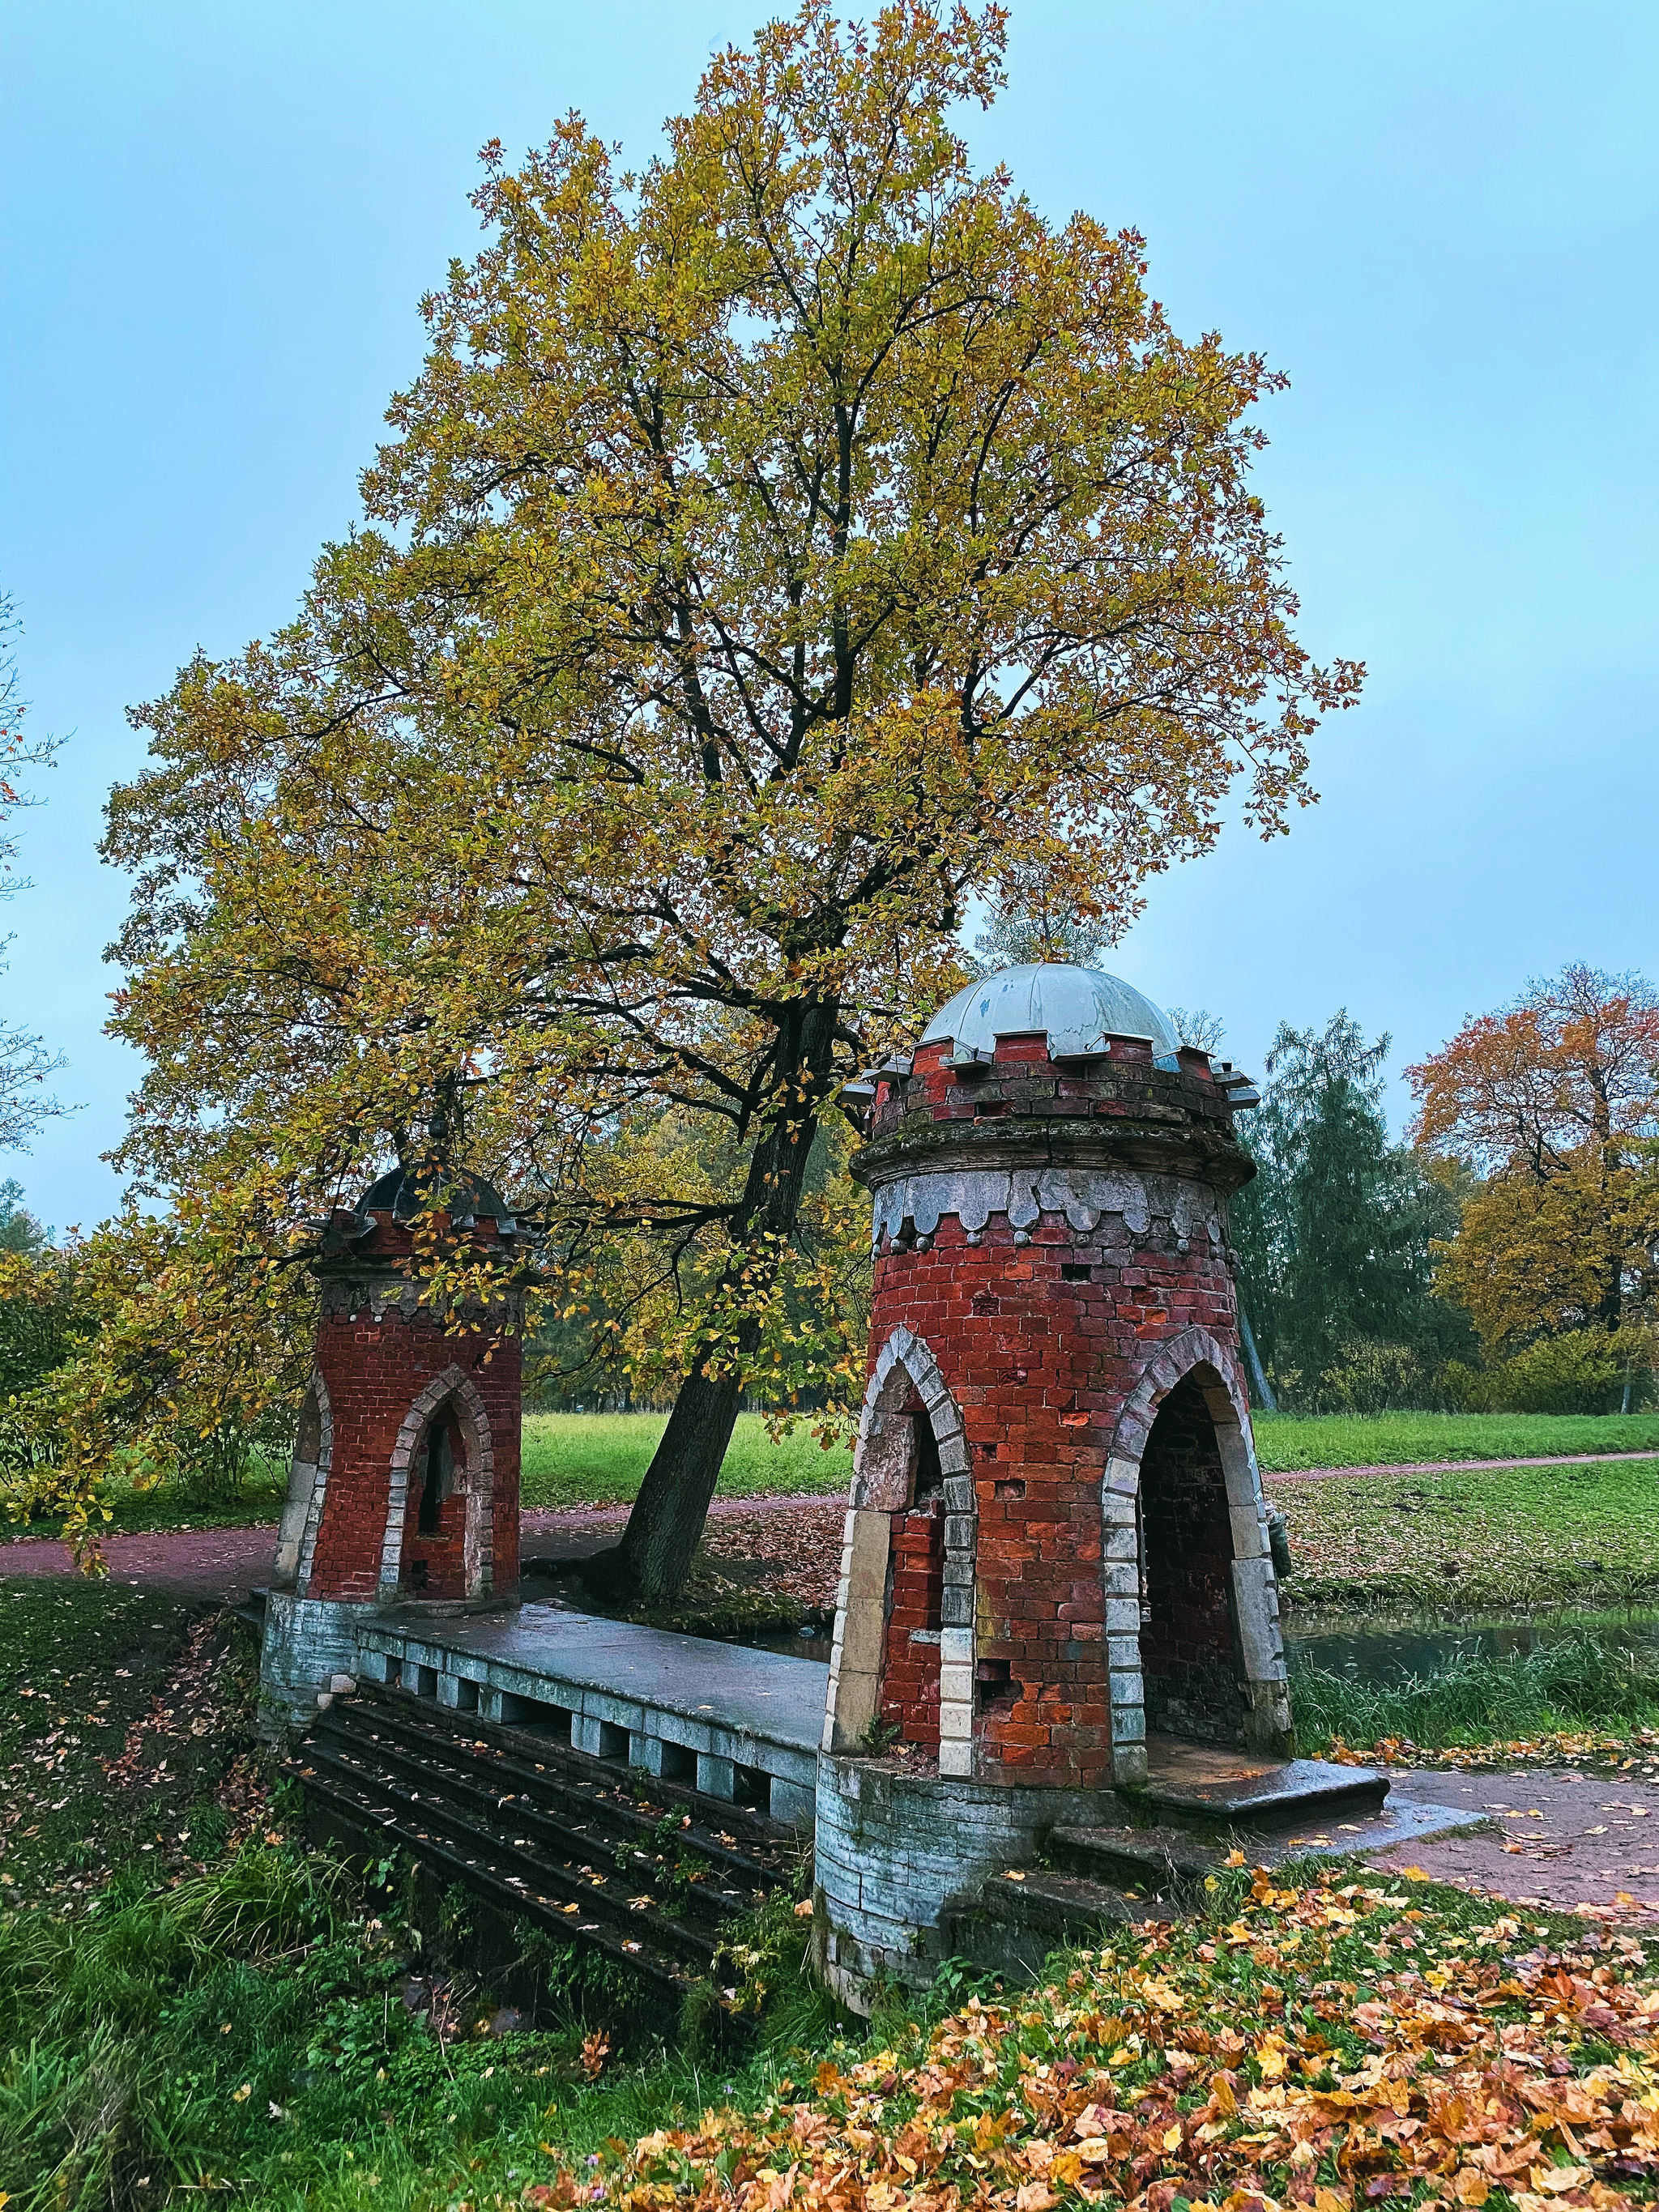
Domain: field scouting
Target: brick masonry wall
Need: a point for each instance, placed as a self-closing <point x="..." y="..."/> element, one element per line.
<point x="1042" y="1333"/>
<point x="374" y="1369"/>
<point x="910" y="1675"/>
<point x="1188" y="1662"/>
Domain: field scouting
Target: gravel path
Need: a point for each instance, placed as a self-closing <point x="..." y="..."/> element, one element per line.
<point x="1451" y="1466"/>
<point x="1580" y="1842"/>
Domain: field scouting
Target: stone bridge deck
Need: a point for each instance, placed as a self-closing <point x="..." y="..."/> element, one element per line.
<point x="729" y="1721"/>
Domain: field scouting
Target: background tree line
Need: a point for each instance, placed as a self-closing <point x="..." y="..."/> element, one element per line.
<point x="1507" y="1257"/>
<point x="784" y="546"/>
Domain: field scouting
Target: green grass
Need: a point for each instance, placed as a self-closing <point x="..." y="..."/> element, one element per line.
<point x="162" y="1505"/>
<point x="1522" y="1538"/>
<point x="599" y="1459"/>
<point x="1581" y="1680"/>
<point x="225" y="2018"/>
<point x="1287" y="1442"/>
<point x="85" y="1668"/>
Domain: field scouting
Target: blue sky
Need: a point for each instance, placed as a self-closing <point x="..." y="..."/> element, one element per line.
<point x="1437" y="218"/>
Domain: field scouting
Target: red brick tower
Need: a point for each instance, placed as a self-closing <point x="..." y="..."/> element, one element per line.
<point x="1057" y="1537"/>
<point x="405" y="1486"/>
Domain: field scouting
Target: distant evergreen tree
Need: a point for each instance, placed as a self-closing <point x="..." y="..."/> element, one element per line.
<point x="20" y="1231"/>
<point x="1334" y="1234"/>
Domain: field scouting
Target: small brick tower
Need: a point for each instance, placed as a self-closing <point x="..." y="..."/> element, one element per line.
<point x="405" y="1482"/>
<point x="1058" y="1535"/>
<point x="1057" y="1542"/>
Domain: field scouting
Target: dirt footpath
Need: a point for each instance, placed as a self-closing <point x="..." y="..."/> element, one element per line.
<point x="1580" y="1842"/>
<point x="229" y="1562"/>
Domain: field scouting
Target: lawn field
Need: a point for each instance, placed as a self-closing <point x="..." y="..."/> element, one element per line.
<point x="573" y="1459"/>
<point x="1521" y="1538"/>
<point x="599" y="1459"/>
<point x="1285" y="1442"/>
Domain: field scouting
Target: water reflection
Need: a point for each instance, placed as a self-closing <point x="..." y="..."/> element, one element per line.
<point x="1366" y="1651"/>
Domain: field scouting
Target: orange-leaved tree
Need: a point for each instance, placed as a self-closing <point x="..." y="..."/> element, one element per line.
<point x="782" y="542"/>
<point x="1555" y="1101"/>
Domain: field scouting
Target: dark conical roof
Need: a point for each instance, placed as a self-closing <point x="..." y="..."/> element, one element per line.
<point x="401" y="1192"/>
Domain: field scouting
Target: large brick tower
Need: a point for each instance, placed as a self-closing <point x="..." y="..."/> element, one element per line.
<point x="405" y="1483"/>
<point x="1057" y="1543"/>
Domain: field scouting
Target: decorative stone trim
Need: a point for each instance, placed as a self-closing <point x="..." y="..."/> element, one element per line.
<point x="1256" y="1592"/>
<point x="905" y="1362"/>
<point x="374" y="1293"/>
<point x="313" y="1519"/>
<point x="454" y="1385"/>
<point x="1025" y="1194"/>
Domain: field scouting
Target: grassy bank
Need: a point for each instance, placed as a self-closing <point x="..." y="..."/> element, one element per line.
<point x="248" y="2036"/>
<point x="1525" y="1537"/>
<point x="1225" y="2060"/>
<point x="240" y="2022"/>
<point x="1579" y="1682"/>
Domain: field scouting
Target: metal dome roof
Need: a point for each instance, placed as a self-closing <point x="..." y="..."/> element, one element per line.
<point x="1075" y="1007"/>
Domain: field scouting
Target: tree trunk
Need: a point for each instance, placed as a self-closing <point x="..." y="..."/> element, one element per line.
<point x="667" y="1524"/>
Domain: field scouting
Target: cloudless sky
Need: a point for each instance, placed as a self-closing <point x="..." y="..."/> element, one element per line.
<point x="1437" y="216"/>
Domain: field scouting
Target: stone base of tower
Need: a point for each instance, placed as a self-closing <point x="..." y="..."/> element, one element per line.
<point x="307" y="1641"/>
<point x="895" y="1851"/>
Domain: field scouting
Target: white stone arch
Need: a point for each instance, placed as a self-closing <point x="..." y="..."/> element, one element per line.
<point x="1256" y="1591"/>
<point x="884" y="1467"/>
<point x="453" y="1390"/>
<point x="308" y="1486"/>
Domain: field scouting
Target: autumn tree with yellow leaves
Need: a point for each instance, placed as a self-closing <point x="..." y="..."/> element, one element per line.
<point x="1555" y="1101"/>
<point x="783" y="542"/>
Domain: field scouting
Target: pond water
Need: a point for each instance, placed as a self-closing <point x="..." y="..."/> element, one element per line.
<point x="1367" y="1650"/>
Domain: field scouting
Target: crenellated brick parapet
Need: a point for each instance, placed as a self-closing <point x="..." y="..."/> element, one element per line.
<point x="1057" y="1534"/>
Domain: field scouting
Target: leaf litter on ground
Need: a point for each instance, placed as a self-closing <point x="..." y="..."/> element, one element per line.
<point x="1329" y="2043"/>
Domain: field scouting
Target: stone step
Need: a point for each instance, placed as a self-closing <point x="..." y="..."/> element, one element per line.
<point x="640" y="1852"/>
<point x="597" y="1892"/>
<point x="549" y="1839"/>
<point x="579" y="1869"/>
<point x="1260" y="1801"/>
<point x="1019" y="1917"/>
<point x="1168" y="1866"/>
<point x="348" y="1810"/>
<point x="582" y="1793"/>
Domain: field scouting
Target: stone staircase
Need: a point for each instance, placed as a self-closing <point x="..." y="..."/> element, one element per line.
<point x="1197" y="1808"/>
<point x="650" y="1877"/>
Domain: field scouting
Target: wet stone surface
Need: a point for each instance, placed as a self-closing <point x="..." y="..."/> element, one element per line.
<point x="1581" y="1843"/>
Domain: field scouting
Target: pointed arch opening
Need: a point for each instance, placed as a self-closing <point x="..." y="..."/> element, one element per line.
<point x="1192" y="1604"/>
<point x="903" y="1650"/>
<point x="1189" y="1663"/>
<point x="439" y="1540"/>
